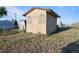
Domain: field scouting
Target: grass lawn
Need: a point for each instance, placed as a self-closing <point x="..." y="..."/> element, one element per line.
<point x="57" y="42"/>
<point x="8" y="32"/>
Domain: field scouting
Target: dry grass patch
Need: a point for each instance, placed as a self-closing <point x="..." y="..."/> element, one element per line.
<point x="40" y="43"/>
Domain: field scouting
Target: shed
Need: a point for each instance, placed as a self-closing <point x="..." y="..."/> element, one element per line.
<point x="41" y="20"/>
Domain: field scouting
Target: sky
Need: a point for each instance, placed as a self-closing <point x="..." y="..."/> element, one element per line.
<point x="69" y="14"/>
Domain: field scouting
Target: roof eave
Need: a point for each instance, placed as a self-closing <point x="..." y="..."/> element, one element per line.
<point x="59" y="16"/>
<point x="24" y="14"/>
<point x="43" y="9"/>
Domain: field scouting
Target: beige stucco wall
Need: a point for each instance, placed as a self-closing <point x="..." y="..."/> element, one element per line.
<point x="37" y="23"/>
<point x="51" y="23"/>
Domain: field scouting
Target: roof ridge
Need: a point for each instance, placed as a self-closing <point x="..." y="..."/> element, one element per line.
<point x="49" y="10"/>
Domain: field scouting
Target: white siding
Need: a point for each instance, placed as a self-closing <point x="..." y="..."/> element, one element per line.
<point x="21" y="25"/>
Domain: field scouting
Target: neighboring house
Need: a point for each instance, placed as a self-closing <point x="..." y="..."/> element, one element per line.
<point x="6" y="24"/>
<point x="40" y="20"/>
<point x="22" y="25"/>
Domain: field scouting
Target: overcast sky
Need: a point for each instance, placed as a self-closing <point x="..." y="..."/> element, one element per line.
<point x="69" y="14"/>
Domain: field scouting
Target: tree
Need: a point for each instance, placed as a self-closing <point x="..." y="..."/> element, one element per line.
<point x="15" y="24"/>
<point x="3" y="11"/>
<point x="61" y="24"/>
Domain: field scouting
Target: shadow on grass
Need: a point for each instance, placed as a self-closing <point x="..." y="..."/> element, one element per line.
<point x="60" y="29"/>
<point x="71" y="48"/>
